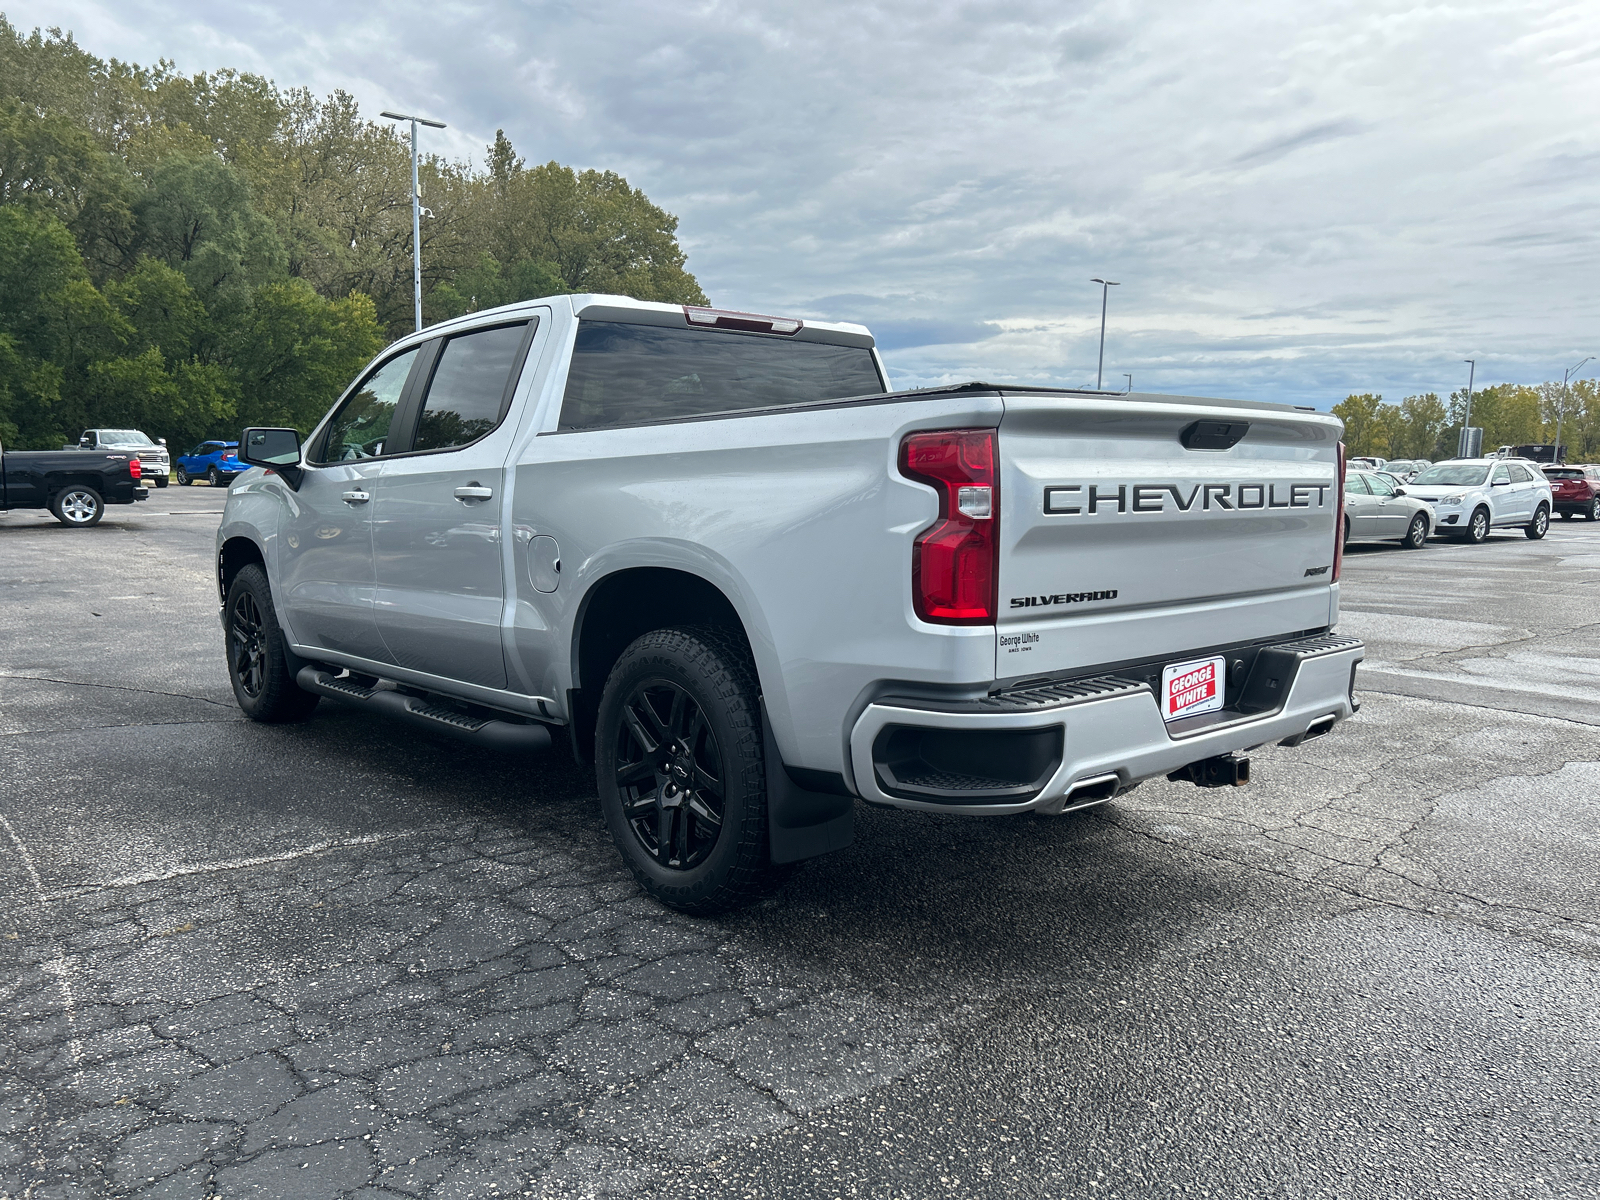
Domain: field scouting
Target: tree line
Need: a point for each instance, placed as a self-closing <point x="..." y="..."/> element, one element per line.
<point x="1510" y="414"/>
<point x="190" y="254"/>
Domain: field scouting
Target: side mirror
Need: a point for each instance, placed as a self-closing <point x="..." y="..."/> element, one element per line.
<point x="1399" y="491"/>
<point x="161" y="441"/>
<point x="1500" y="483"/>
<point x="84" y="443"/>
<point x="275" y="449"/>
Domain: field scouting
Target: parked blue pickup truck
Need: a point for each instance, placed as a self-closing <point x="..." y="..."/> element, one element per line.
<point x="75" y="486"/>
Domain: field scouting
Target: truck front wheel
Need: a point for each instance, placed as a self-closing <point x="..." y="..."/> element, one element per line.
<point x="262" y="682"/>
<point x="678" y="764"/>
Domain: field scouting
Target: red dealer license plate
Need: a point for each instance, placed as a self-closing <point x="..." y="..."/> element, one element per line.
<point x="1192" y="687"/>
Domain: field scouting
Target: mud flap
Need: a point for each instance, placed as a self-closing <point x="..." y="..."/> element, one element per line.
<point x="800" y="823"/>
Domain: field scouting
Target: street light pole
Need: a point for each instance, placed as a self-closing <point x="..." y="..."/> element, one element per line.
<point x="416" y="206"/>
<point x="1465" y="442"/>
<point x="1571" y="371"/>
<point x="1105" y="289"/>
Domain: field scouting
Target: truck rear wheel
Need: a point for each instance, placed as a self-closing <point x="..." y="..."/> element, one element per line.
<point x="78" y="507"/>
<point x="262" y="682"/>
<point x="678" y="764"/>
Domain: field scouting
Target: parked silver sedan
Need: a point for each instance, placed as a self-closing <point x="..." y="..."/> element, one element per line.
<point x="1376" y="511"/>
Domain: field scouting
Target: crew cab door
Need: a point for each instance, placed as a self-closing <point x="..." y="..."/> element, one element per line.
<point x="325" y="546"/>
<point x="437" y="527"/>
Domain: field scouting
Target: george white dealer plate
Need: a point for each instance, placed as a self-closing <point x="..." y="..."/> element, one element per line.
<point x="1192" y="687"/>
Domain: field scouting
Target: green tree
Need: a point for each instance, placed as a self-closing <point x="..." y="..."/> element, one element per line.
<point x="487" y="285"/>
<point x="1422" y="419"/>
<point x="294" y="352"/>
<point x="1359" y="413"/>
<point x="197" y="218"/>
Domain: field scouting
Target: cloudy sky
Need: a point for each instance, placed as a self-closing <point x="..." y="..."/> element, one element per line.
<point x="1300" y="200"/>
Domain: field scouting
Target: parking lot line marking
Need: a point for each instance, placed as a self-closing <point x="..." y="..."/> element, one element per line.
<point x="58" y="965"/>
<point x="229" y="864"/>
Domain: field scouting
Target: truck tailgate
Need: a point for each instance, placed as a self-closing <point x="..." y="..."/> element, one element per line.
<point x="1119" y="542"/>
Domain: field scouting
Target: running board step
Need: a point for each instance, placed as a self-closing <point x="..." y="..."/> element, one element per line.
<point x="424" y="714"/>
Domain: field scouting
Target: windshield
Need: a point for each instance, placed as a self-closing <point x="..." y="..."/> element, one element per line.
<point x="1446" y="475"/>
<point x="123" y="437"/>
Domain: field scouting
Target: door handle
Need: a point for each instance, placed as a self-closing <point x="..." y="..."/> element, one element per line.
<point x="473" y="492"/>
<point x="356" y="497"/>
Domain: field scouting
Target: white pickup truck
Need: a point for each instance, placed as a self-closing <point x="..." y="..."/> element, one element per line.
<point x="755" y="585"/>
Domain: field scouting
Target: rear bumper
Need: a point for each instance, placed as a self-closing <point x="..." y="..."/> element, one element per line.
<point x="1046" y="744"/>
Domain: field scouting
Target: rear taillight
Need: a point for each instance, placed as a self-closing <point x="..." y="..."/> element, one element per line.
<point x="1338" y="517"/>
<point x="135" y="468"/>
<point x="953" y="562"/>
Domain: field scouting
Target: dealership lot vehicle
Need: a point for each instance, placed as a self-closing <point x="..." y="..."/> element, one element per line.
<point x="215" y="462"/>
<point x="258" y="961"/>
<point x="75" y="487"/>
<point x="603" y="519"/>
<point x="1377" y="510"/>
<point x="154" y="460"/>
<point x="1575" y="491"/>
<point x="1405" y="469"/>
<point x="1473" y="496"/>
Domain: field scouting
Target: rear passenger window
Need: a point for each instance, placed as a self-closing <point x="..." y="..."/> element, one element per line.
<point x="471" y="387"/>
<point x="624" y="374"/>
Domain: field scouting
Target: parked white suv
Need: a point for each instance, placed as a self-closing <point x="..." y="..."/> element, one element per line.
<point x="1471" y="496"/>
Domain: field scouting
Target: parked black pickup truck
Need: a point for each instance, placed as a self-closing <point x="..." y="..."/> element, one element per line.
<point x="73" y="485"/>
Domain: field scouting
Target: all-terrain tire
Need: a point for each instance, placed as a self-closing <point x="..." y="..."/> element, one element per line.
<point x="262" y="682"/>
<point x="676" y="853"/>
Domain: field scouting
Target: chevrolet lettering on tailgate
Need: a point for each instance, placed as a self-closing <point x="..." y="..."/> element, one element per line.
<point x="1071" y="499"/>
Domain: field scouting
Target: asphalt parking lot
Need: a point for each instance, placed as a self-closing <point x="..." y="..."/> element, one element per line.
<point x="335" y="959"/>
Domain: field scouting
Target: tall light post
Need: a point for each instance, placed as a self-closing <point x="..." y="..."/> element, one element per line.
<point x="1105" y="289"/>
<point x="1571" y="371"/>
<point x="1466" y="438"/>
<point x="416" y="205"/>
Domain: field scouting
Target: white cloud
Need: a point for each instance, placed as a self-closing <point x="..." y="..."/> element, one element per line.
<point x="1301" y="200"/>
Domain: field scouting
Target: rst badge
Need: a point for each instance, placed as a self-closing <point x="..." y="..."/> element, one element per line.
<point x="1192" y="687"/>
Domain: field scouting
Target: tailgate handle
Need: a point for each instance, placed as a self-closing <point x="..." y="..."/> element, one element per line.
<point x="1213" y="435"/>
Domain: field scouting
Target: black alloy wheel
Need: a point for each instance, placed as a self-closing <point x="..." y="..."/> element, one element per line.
<point x="1539" y="526"/>
<point x="670" y="775"/>
<point x="1478" y="527"/>
<point x="247" y="645"/>
<point x="258" y="664"/>
<point x="183" y="478"/>
<point x="1347" y="531"/>
<point x="679" y="765"/>
<point x="1417" y="535"/>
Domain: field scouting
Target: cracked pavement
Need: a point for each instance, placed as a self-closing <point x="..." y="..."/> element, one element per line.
<point x="341" y="960"/>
